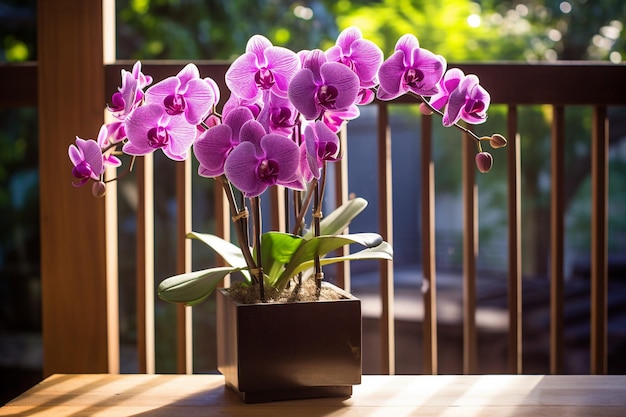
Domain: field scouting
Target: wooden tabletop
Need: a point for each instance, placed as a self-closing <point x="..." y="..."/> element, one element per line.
<point x="394" y="396"/>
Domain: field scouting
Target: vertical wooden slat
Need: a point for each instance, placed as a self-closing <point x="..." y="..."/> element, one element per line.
<point x="470" y="248"/>
<point x="184" y="345"/>
<point x="385" y="220"/>
<point x="341" y="196"/>
<point x="599" y="236"/>
<point x="79" y="315"/>
<point x="514" y="174"/>
<point x="557" y="231"/>
<point x="277" y="208"/>
<point x="111" y="237"/>
<point x="429" y="282"/>
<point x="144" y="167"/>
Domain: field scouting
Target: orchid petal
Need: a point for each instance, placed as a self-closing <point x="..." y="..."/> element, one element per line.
<point x="302" y="93"/>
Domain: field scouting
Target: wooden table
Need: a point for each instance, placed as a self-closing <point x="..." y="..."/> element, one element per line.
<point x="385" y="396"/>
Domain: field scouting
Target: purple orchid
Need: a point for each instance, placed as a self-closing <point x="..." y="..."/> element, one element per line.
<point x="469" y="102"/>
<point x="321" y="85"/>
<point x="464" y="97"/>
<point x="278" y="115"/>
<point x="362" y="56"/>
<point x="150" y="127"/>
<point x="214" y="145"/>
<point x="410" y="68"/>
<point x="126" y="98"/>
<point x="260" y="161"/>
<point x="87" y="159"/>
<point x="322" y="145"/>
<point x="186" y="93"/>
<point x="450" y="82"/>
<point x="130" y="94"/>
<point x="262" y="67"/>
<point x="142" y="80"/>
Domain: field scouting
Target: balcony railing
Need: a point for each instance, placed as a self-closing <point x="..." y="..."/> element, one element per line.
<point x="514" y="85"/>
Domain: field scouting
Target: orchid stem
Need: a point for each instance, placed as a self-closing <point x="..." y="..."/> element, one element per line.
<point x="317" y="217"/>
<point x="458" y="126"/>
<point x="297" y="227"/>
<point x="239" y="218"/>
<point x="126" y="171"/>
<point x="256" y="215"/>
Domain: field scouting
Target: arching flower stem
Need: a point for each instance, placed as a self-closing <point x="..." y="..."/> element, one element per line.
<point x="128" y="170"/>
<point x="457" y="125"/>
<point x="304" y="206"/>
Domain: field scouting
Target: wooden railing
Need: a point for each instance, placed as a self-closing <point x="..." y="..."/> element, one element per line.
<point x="523" y="85"/>
<point x="79" y="260"/>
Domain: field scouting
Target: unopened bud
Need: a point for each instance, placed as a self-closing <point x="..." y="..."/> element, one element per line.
<point x="497" y="141"/>
<point x="98" y="189"/>
<point x="425" y="110"/>
<point x="484" y="161"/>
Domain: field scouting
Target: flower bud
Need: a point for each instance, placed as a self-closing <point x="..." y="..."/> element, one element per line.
<point x="425" y="110"/>
<point x="98" y="189"/>
<point x="484" y="161"/>
<point x="497" y="141"/>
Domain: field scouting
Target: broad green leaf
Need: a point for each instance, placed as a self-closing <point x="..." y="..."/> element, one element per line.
<point x="336" y="222"/>
<point x="231" y="253"/>
<point x="194" y="287"/>
<point x="384" y="251"/>
<point x="277" y="250"/>
<point x="321" y="245"/>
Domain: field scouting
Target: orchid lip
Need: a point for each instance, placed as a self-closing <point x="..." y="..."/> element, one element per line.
<point x="326" y="96"/>
<point x="158" y="137"/>
<point x="264" y="79"/>
<point x="413" y="77"/>
<point x="174" y="104"/>
<point x="267" y="171"/>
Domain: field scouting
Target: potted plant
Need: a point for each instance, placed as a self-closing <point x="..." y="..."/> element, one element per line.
<point x="279" y="126"/>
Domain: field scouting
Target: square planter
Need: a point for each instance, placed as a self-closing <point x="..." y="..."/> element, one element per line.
<point x="280" y="351"/>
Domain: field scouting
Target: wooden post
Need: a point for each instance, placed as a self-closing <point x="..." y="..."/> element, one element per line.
<point x="78" y="268"/>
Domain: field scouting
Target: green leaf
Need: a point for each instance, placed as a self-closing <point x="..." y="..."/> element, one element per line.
<point x="336" y="222"/>
<point x="383" y="251"/>
<point x="277" y="250"/>
<point x="231" y="253"/>
<point x="194" y="287"/>
<point x="322" y="245"/>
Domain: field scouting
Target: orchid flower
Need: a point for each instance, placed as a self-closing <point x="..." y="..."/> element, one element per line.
<point x="262" y="67"/>
<point x="362" y="56"/>
<point x="130" y="94"/>
<point x="278" y="115"/>
<point x="87" y="159"/>
<point x="126" y="98"/>
<point x="464" y="97"/>
<point x="262" y="160"/>
<point x="322" y="145"/>
<point x="469" y="102"/>
<point x="321" y="85"/>
<point x="142" y="80"/>
<point x="150" y="127"/>
<point x="410" y="68"/>
<point x="214" y="145"/>
<point x="186" y="93"/>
